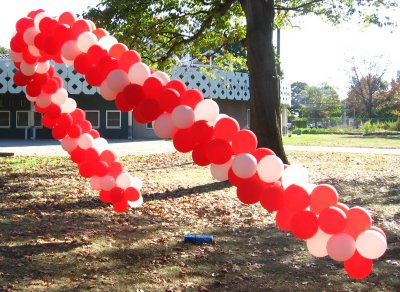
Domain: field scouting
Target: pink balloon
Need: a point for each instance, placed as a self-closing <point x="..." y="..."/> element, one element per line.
<point x="244" y="165"/>
<point x="183" y="116"/>
<point x="341" y="247"/>
<point x="164" y="127"/>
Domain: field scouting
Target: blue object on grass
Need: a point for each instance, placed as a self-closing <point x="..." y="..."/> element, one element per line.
<point x="198" y="239"/>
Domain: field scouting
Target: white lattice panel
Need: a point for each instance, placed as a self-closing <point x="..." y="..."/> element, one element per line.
<point x="74" y="84"/>
<point x="3" y="77"/>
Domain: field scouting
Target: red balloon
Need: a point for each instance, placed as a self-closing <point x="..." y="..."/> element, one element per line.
<point x="74" y="131"/>
<point x="122" y="104"/>
<point x="260" y="153"/>
<point x="67" y="18"/>
<point x="48" y="122"/>
<point x="226" y="128"/>
<point x="91" y="155"/>
<point x="17" y="43"/>
<point x="105" y="66"/>
<point x="169" y="100"/>
<point x="183" y="140"/>
<point x="245" y="141"/>
<point x="59" y="132"/>
<point x="178" y="85"/>
<point x="33" y="89"/>
<point x="234" y="179"/>
<point x="82" y="63"/>
<point x="100" y="32"/>
<point x="191" y="97"/>
<point x="40" y="109"/>
<point x="120" y="206"/>
<point x="117" y="50"/>
<point x="150" y="109"/>
<point x="199" y="155"/>
<point x="95" y="53"/>
<point x="48" y="25"/>
<point x="28" y="57"/>
<point x="153" y="86"/>
<point x="134" y="94"/>
<point x="203" y="131"/>
<point x="64" y="34"/>
<point x="342" y="207"/>
<point x="78" y="115"/>
<point x="95" y="134"/>
<point x="358" y="220"/>
<point x="131" y="194"/>
<point x="138" y="117"/>
<point x="51" y="86"/>
<point x="50" y="45"/>
<point x="127" y="59"/>
<point x="23" y="24"/>
<point x="322" y="197"/>
<point x="284" y="218"/>
<point x="219" y="151"/>
<point x="115" y="169"/>
<point x="78" y="155"/>
<point x="53" y="111"/>
<point x="304" y="224"/>
<point x="101" y="168"/>
<point x="117" y="194"/>
<point x="272" y="198"/>
<point x="40" y="78"/>
<point x="332" y="220"/>
<point x="296" y="198"/>
<point x="79" y="27"/>
<point x="358" y="267"/>
<point x="87" y="169"/>
<point x="250" y="190"/>
<point x="107" y="156"/>
<point x="21" y="79"/>
<point x="105" y="196"/>
<point x="86" y="126"/>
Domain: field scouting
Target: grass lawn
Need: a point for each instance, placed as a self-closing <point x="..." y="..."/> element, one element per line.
<point x="343" y="140"/>
<point x="56" y="235"/>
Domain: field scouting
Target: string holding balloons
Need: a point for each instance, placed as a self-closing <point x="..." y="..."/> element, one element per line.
<point x="310" y="212"/>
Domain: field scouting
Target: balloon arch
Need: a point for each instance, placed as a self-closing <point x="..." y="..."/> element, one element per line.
<point x="311" y="212"/>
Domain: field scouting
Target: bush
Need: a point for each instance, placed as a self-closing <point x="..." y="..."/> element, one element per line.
<point x="300" y="123"/>
<point x="369" y="127"/>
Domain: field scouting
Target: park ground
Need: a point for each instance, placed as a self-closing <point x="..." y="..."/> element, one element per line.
<point x="56" y="235"/>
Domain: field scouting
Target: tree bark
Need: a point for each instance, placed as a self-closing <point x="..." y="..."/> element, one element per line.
<point x="265" y="101"/>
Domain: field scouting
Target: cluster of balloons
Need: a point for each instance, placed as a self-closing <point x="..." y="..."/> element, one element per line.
<point x="310" y="212"/>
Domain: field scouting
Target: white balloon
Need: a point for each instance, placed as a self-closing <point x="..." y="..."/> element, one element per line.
<point x="207" y="110"/>
<point x="162" y="75"/>
<point x="220" y="171"/>
<point x="68" y="106"/>
<point x="163" y="126"/>
<point x="123" y="180"/>
<point x="183" y="116"/>
<point x="138" y="73"/>
<point x="137" y="203"/>
<point x="317" y="244"/>
<point x="106" y="91"/>
<point x="43" y="67"/>
<point x="295" y="174"/>
<point x="60" y="96"/>
<point x="28" y="69"/>
<point x="85" y="141"/>
<point x="270" y="168"/>
<point x="244" y="165"/>
<point x="106" y="42"/>
<point x="86" y="40"/>
<point x="38" y="18"/>
<point x="100" y="144"/>
<point x="29" y="35"/>
<point x="117" y="80"/>
<point x="15" y="57"/>
<point x="136" y="183"/>
<point x="68" y="143"/>
<point x="95" y="183"/>
<point x="107" y="182"/>
<point x="43" y="100"/>
<point x="70" y="50"/>
<point x="371" y="244"/>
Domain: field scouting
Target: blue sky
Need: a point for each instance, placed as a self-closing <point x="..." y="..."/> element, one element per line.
<point x="315" y="53"/>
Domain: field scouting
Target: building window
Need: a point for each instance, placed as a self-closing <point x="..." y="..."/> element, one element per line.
<point x="4" y="119"/>
<point x="37" y="119"/>
<point x="22" y="118"/>
<point x="113" y="119"/>
<point x="94" y="118"/>
<point x="149" y="126"/>
<point x="248" y="116"/>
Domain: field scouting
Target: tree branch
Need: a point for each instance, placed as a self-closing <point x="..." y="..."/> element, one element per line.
<point x="280" y="7"/>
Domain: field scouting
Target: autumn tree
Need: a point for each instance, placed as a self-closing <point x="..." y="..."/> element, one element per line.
<point x="163" y="31"/>
<point x="389" y="101"/>
<point x="366" y="86"/>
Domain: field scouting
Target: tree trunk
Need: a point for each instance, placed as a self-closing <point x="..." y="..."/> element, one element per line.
<point x="265" y="119"/>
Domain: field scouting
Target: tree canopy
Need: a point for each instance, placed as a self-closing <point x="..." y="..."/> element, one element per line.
<point x="164" y="31"/>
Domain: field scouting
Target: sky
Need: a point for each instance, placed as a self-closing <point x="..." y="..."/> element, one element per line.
<point x="314" y="53"/>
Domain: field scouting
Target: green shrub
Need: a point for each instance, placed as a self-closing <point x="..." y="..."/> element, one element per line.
<point x="300" y="123"/>
<point x="368" y="127"/>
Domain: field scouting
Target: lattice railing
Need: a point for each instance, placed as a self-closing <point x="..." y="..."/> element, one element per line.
<point x="216" y="84"/>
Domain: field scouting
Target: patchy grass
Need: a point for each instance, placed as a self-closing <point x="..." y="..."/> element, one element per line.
<point x="56" y="235"/>
<point x="343" y="140"/>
